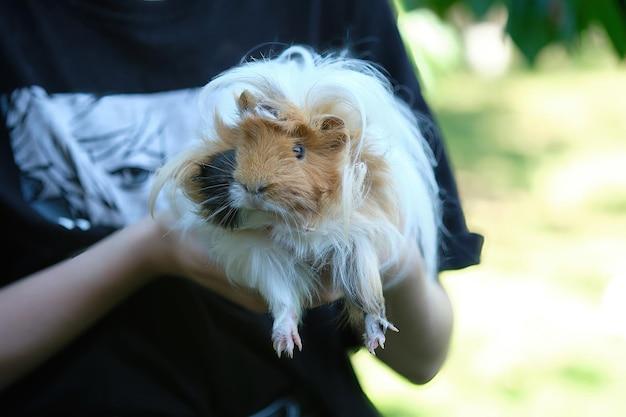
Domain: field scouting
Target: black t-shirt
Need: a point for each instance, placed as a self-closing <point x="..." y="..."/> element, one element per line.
<point x="93" y="97"/>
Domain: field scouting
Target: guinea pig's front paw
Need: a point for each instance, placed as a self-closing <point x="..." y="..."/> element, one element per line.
<point x="375" y="328"/>
<point x="285" y="336"/>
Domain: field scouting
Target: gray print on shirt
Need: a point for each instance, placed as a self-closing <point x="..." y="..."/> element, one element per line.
<point x="88" y="160"/>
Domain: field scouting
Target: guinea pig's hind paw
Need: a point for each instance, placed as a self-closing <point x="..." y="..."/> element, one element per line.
<point x="375" y="328"/>
<point x="285" y="337"/>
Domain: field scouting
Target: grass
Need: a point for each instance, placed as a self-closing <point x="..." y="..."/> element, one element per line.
<point x="540" y="329"/>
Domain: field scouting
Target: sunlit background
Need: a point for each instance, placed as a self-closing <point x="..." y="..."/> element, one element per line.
<point x="540" y="157"/>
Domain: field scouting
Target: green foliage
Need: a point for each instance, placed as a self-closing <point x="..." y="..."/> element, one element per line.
<point x="540" y="326"/>
<point x="535" y="24"/>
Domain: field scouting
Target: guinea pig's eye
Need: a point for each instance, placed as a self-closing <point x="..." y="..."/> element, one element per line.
<point x="299" y="151"/>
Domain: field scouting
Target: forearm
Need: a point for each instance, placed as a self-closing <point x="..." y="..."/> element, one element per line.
<point x="421" y="309"/>
<point x="41" y="313"/>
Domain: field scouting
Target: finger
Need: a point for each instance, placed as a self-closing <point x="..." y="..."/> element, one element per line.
<point x="238" y="295"/>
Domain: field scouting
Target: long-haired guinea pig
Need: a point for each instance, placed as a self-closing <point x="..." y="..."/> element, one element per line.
<point x="308" y="163"/>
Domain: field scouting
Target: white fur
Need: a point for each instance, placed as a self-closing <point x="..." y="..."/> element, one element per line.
<point x="355" y="246"/>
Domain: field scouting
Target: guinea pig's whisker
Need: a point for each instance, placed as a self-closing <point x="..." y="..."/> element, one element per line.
<point x="222" y="177"/>
<point x="208" y="187"/>
<point x="217" y="212"/>
<point x="230" y="164"/>
<point x="217" y="168"/>
<point x="213" y="176"/>
<point x="227" y="217"/>
<point x="217" y="197"/>
<point x="294" y="230"/>
<point x="288" y="218"/>
<point x="292" y="219"/>
<point x="209" y="203"/>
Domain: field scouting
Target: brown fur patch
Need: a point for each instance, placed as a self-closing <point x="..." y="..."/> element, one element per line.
<point x="265" y="157"/>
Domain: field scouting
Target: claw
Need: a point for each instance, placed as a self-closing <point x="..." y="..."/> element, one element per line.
<point x="297" y="340"/>
<point x="375" y="328"/>
<point x="285" y="336"/>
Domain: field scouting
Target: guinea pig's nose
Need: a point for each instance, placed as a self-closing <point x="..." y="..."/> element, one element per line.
<point x="258" y="189"/>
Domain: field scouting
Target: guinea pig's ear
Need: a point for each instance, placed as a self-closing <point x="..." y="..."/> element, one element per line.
<point x="331" y="123"/>
<point x="246" y="101"/>
<point x="334" y="131"/>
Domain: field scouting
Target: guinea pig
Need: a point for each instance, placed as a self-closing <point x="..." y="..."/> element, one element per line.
<point x="309" y="163"/>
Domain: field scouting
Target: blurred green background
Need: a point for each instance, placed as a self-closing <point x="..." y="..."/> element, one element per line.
<point x="540" y="156"/>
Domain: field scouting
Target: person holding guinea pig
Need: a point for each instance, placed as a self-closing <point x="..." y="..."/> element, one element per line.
<point x="105" y="311"/>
